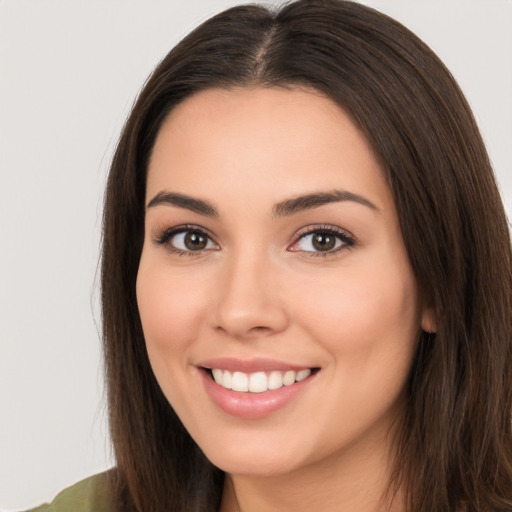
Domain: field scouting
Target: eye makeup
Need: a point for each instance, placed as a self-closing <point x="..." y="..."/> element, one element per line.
<point x="316" y="240"/>
<point x="186" y="240"/>
<point x="322" y="240"/>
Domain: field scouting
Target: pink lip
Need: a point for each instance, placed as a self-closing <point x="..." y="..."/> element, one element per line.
<point x="250" y="366"/>
<point x="252" y="405"/>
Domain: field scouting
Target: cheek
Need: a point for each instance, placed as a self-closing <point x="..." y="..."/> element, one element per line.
<point x="362" y="311"/>
<point x="169" y="308"/>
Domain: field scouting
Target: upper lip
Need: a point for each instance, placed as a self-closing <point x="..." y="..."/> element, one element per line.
<point x="251" y="365"/>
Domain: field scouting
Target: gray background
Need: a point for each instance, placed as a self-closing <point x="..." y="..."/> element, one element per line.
<point x="69" y="72"/>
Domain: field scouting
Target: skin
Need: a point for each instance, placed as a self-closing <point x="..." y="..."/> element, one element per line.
<point x="259" y="290"/>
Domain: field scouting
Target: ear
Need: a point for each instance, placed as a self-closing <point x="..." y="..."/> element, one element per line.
<point x="428" y="320"/>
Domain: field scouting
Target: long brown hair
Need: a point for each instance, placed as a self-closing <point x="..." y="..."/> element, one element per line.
<point x="454" y="450"/>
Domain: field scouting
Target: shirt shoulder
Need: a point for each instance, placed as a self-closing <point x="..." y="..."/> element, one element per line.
<point x="89" y="495"/>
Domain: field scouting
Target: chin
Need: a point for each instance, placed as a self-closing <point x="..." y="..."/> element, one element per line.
<point x="257" y="455"/>
<point x="258" y="465"/>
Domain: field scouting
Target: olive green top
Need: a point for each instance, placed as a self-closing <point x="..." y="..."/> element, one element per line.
<point x="89" y="495"/>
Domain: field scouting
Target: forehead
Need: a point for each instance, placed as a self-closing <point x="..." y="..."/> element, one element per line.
<point x="241" y="112"/>
<point x="276" y="141"/>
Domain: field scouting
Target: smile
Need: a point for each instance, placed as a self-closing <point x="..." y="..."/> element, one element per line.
<point x="257" y="382"/>
<point x="254" y="389"/>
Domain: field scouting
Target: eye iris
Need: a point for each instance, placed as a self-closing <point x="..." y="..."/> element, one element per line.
<point x="195" y="241"/>
<point x="323" y="241"/>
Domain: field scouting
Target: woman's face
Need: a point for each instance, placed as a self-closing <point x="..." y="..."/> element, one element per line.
<point x="273" y="260"/>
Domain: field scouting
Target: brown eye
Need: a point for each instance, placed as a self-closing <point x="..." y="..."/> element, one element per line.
<point x="195" y="241"/>
<point x="323" y="241"/>
<point x="187" y="241"/>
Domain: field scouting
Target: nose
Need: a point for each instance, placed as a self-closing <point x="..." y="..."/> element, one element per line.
<point x="248" y="302"/>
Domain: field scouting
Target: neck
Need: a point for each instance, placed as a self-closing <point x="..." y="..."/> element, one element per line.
<point x="358" y="479"/>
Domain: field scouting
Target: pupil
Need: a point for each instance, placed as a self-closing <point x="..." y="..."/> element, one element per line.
<point x="195" y="241"/>
<point x="323" y="242"/>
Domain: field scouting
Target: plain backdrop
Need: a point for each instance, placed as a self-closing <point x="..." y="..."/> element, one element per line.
<point x="69" y="72"/>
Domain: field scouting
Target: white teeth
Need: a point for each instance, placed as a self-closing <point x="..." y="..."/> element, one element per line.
<point x="240" y="382"/>
<point x="227" y="380"/>
<point x="275" y="380"/>
<point x="302" y="375"/>
<point x="217" y="375"/>
<point x="289" y="378"/>
<point x="257" y="382"/>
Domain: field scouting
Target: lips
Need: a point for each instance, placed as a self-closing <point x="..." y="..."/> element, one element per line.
<point x="256" y="388"/>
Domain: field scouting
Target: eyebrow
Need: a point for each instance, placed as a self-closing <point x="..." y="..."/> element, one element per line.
<point x="281" y="209"/>
<point x="310" y="201"/>
<point x="182" y="201"/>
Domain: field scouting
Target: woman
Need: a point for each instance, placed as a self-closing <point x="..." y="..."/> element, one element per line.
<point x="306" y="277"/>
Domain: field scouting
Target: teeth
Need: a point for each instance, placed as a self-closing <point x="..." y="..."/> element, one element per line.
<point x="257" y="382"/>
<point x="217" y="375"/>
<point x="240" y="382"/>
<point x="302" y="375"/>
<point x="227" y="380"/>
<point x="289" y="378"/>
<point x="275" y="380"/>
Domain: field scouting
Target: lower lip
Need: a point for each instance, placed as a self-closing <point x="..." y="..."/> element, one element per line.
<point x="252" y="405"/>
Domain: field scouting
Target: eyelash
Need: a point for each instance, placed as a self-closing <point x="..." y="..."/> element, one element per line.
<point x="347" y="240"/>
<point x="168" y="234"/>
